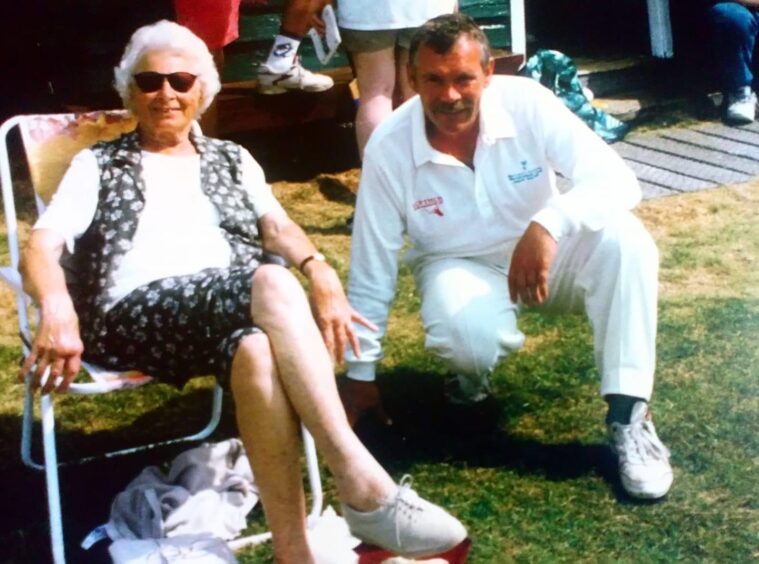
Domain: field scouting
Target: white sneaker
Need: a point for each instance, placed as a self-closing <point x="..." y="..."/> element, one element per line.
<point x="741" y="106"/>
<point x="296" y="78"/>
<point x="406" y="525"/>
<point x="460" y="389"/>
<point x="643" y="460"/>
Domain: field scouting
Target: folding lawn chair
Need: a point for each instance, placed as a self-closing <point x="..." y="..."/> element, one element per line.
<point x="50" y="142"/>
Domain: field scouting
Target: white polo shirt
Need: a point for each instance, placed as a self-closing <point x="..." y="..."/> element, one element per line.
<point x="368" y="15"/>
<point x="409" y="190"/>
<point x="179" y="228"/>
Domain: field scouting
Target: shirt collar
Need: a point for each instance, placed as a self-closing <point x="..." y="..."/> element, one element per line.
<point x="495" y="123"/>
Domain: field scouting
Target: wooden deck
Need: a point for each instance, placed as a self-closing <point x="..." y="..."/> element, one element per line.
<point x="693" y="157"/>
<point x="690" y="157"/>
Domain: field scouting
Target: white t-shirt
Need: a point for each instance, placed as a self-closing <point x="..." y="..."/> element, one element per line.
<point x="178" y="231"/>
<point x="370" y="15"/>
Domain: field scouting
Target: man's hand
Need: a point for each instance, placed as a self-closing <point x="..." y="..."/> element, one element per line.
<point x="57" y="346"/>
<point x="332" y="312"/>
<point x="316" y="21"/>
<point x="361" y="397"/>
<point x="530" y="263"/>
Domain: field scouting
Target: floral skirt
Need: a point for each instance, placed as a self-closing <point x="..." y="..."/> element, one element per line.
<point x="182" y="326"/>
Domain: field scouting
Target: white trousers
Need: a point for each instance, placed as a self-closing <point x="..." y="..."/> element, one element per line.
<point x="611" y="274"/>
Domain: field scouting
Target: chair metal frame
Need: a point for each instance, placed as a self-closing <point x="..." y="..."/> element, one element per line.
<point x="50" y="464"/>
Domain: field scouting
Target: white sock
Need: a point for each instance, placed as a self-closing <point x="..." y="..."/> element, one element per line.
<point x="282" y="53"/>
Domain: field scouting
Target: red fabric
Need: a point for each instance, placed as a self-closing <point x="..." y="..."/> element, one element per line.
<point x="214" y="21"/>
<point x="368" y="554"/>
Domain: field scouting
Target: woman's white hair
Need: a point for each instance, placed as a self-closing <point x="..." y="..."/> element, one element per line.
<point x="167" y="36"/>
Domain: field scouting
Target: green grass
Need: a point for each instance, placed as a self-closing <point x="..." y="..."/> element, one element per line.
<point x="541" y="487"/>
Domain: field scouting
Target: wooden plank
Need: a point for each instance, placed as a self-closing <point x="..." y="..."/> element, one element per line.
<point x="733" y="133"/>
<point x="250" y="111"/>
<point x="667" y="179"/>
<point x="709" y="156"/>
<point x="507" y="62"/>
<point x="711" y="142"/>
<point x="753" y="126"/>
<point x="678" y="165"/>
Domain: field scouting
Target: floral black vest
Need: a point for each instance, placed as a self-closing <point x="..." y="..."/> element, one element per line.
<point x="121" y="198"/>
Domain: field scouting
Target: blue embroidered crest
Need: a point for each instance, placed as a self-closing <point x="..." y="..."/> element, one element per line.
<point x="525" y="175"/>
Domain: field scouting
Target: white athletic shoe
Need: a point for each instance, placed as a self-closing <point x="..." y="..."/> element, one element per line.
<point x="466" y="390"/>
<point x="406" y="525"/>
<point x="296" y="78"/>
<point x="741" y="106"/>
<point x="643" y="460"/>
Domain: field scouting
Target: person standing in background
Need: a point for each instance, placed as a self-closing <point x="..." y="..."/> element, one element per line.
<point x="377" y="34"/>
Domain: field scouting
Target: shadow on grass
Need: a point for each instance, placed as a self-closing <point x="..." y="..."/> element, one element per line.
<point x="87" y="490"/>
<point x="427" y="429"/>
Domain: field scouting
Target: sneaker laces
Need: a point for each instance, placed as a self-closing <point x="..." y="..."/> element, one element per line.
<point x="404" y="502"/>
<point x="640" y="443"/>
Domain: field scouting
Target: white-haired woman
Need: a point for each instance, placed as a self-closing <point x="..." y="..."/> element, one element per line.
<point x="170" y="234"/>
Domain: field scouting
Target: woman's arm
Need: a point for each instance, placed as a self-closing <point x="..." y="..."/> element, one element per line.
<point x="57" y="344"/>
<point x="332" y="312"/>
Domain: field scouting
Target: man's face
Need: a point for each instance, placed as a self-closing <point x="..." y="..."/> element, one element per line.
<point x="450" y="85"/>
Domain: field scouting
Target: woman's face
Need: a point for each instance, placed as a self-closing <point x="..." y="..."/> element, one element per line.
<point x="166" y="111"/>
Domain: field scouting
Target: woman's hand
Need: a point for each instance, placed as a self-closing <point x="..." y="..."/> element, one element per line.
<point x="331" y="310"/>
<point x="57" y="347"/>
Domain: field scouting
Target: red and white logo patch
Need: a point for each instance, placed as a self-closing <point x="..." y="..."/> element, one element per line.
<point x="430" y="205"/>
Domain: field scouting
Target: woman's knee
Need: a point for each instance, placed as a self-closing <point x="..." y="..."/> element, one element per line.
<point x="253" y="363"/>
<point x="275" y="290"/>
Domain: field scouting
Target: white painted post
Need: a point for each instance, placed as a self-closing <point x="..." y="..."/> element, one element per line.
<point x="518" y="31"/>
<point x="660" y="28"/>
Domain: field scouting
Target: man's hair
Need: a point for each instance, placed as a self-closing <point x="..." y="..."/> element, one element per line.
<point x="440" y="33"/>
<point x="172" y="37"/>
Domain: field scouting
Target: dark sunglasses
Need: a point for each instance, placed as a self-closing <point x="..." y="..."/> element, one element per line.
<point x="153" y="81"/>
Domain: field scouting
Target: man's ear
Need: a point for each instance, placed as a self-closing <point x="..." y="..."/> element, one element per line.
<point x="489" y="70"/>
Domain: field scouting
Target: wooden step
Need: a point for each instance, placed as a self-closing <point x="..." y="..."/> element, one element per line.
<point x="243" y="109"/>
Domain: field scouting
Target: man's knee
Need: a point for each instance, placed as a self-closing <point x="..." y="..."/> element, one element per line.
<point x="626" y="241"/>
<point x="475" y="348"/>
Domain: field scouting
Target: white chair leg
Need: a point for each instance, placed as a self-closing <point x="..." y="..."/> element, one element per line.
<point x="315" y="483"/>
<point x="51" y="479"/>
<point x="660" y="28"/>
<point x="314" y="477"/>
<point x="218" y="396"/>
<point x="26" y="427"/>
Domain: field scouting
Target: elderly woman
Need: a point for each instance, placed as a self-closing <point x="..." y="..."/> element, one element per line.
<point x="171" y="235"/>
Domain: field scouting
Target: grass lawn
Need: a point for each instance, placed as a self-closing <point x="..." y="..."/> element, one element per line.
<point x="541" y="487"/>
